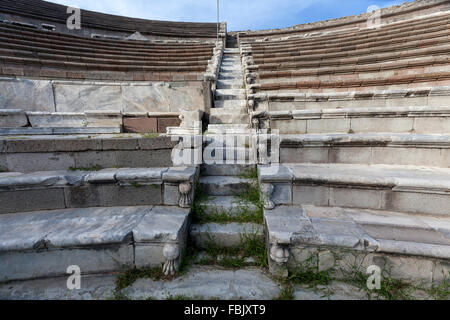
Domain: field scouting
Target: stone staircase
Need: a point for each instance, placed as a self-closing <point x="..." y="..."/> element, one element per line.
<point x="226" y="175"/>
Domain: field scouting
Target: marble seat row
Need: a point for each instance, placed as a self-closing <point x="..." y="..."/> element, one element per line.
<point x="55" y="13"/>
<point x="34" y="53"/>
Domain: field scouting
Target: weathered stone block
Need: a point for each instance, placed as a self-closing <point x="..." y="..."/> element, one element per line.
<point x="140" y="125"/>
<point x="17" y="266"/>
<point x="77" y="145"/>
<point x="432" y="125"/>
<point x="12" y="118"/>
<point x="120" y="144"/>
<point x="314" y="195"/>
<point x="163" y="123"/>
<point x="149" y="255"/>
<point x="407" y="156"/>
<point x="57" y="120"/>
<point x="89" y="159"/>
<point x="171" y="194"/>
<point x="304" y="155"/>
<point x="144" y="158"/>
<point x="31" y="200"/>
<point x="3" y="163"/>
<point x="33" y="95"/>
<point x="426" y="203"/>
<point x="29" y="145"/>
<point x="157" y="143"/>
<point x="72" y="97"/>
<point x="282" y="193"/>
<point x="355" y="198"/>
<point x="289" y="126"/>
<point x="146" y="98"/>
<point x="328" y="126"/>
<point x="356" y="155"/>
<point x="29" y="162"/>
<point x="391" y="125"/>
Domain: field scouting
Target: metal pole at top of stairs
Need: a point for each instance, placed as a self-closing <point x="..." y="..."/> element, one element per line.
<point x="218" y="17"/>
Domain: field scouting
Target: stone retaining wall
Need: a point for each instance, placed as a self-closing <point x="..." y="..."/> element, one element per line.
<point x="80" y="96"/>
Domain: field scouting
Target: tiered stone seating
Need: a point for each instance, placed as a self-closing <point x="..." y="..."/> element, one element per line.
<point x="74" y="190"/>
<point x="55" y="13"/>
<point x="25" y="52"/>
<point x="403" y="55"/>
<point x="407" y="10"/>
<point x="362" y="173"/>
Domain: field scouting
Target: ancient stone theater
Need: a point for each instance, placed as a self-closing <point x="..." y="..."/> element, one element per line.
<point x="224" y="164"/>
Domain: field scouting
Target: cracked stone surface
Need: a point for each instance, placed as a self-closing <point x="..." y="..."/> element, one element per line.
<point x="201" y="282"/>
<point x="209" y="283"/>
<point x="93" y="287"/>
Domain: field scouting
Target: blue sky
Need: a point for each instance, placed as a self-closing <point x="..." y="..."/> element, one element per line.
<point x="240" y="14"/>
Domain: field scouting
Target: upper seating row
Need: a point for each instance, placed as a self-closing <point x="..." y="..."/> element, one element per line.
<point x="335" y="27"/>
<point x="35" y="53"/>
<point x="403" y="55"/>
<point x="52" y="12"/>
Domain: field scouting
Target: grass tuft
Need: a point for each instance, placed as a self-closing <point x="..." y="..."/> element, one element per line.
<point x="150" y="135"/>
<point x="128" y="277"/>
<point x="287" y="293"/>
<point x="251" y="246"/>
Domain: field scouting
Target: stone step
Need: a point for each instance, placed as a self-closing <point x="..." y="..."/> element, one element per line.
<point x="51" y="190"/>
<point x="410" y="248"/>
<point x="229" y="205"/>
<point x="359" y="120"/>
<point x="223" y="235"/>
<point x="213" y="154"/>
<point x="229" y="129"/>
<point x="227" y="51"/>
<point x="229" y="84"/>
<point x="97" y="240"/>
<point x="233" y="110"/>
<point x="231" y="76"/>
<point x="389" y="149"/>
<point x="231" y="63"/>
<point x="224" y="185"/>
<point x="230" y="140"/>
<point x="230" y="104"/>
<point x="389" y="225"/>
<point x="229" y="118"/>
<point x="416" y="190"/>
<point x="57" y="131"/>
<point x="236" y="68"/>
<point x="226" y="169"/>
<point x="61" y="152"/>
<point x="230" y="94"/>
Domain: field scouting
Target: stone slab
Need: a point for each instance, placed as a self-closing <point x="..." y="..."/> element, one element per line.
<point x="224" y="235"/>
<point x="140" y="125"/>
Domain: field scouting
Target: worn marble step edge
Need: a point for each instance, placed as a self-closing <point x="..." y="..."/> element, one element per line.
<point x="95" y="239"/>
<point x="106" y="188"/>
<point x="368" y="139"/>
<point x="84" y="142"/>
<point x="295" y="225"/>
<point x="384" y="176"/>
<point x="353" y="95"/>
<point x="363" y="112"/>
